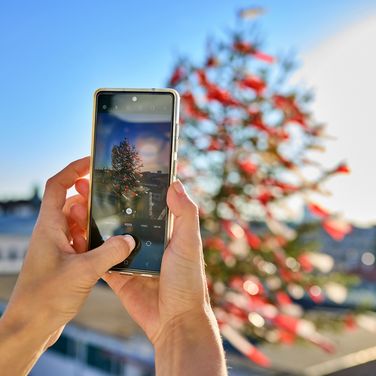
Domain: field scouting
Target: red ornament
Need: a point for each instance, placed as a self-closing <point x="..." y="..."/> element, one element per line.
<point x="202" y="78"/>
<point x="243" y="47"/>
<point x="286" y="322"/>
<point x="191" y="107"/>
<point x="286" y="337"/>
<point x="219" y="245"/>
<point x="264" y="57"/>
<point x="214" y="145"/>
<point x="350" y="322"/>
<point x="283" y="298"/>
<point x="341" y="169"/>
<point x="258" y="357"/>
<point x="316" y="295"/>
<point x="305" y="263"/>
<point x="177" y="76"/>
<point x="253" y="82"/>
<point x="247" y="49"/>
<point x="244" y="346"/>
<point x="253" y="240"/>
<point x="212" y="61"/>
<point x="257" y="121"/>
<point x="318" y="210"/>
<point x="215" y="93"/>
<point x="336" y="229"/>
<point x="247" y="166"/>
<point x="290" y="108"/>
<point x="265" y="197"/>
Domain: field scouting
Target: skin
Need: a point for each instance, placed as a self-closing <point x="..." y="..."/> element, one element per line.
<point x="58" y="274"/>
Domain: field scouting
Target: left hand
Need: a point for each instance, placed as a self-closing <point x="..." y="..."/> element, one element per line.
<point x="57" y="274"/>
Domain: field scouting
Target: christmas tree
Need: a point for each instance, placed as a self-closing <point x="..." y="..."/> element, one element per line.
<point x="126" y="169"/>
<point x="247" y="138"/>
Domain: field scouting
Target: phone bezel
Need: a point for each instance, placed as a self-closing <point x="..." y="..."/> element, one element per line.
<point x="173" y="161"/>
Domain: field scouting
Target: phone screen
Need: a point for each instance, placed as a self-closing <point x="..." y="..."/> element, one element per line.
<point x="133" y="141"/>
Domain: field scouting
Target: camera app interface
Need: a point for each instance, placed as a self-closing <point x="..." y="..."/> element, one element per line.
<point x="131" y="173"/>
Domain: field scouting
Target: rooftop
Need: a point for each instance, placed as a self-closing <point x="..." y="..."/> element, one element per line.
<point x="14" y="224"/>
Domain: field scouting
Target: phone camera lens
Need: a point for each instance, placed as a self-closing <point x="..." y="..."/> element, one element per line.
<point x="104" y="107"/>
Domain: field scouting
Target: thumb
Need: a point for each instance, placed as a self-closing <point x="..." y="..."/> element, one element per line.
<point x="186" y="230"/>
<point x="184" y="209"/>
<point x="114" y="250"/>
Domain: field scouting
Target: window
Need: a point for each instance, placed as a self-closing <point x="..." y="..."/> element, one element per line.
<point x="104" y="360"/>
<point x="13" y="254"/>
<point x="65" y="346"/>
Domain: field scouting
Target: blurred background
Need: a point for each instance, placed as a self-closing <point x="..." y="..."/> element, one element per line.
<point x="306" y="306"/>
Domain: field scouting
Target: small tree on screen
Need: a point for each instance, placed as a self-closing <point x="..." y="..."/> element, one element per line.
<point x="126" y="169"/>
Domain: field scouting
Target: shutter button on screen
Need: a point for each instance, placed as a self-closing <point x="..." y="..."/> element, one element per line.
<point x="136" y="239"/>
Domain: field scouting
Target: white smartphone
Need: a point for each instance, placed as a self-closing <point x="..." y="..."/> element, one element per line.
<point x="133" y="162"/>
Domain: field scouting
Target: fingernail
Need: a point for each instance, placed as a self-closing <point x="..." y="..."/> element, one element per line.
<point x="179" y="187"/>
<point x="129" y="239"/>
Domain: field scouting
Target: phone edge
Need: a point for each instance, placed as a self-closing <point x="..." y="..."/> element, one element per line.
<point x="173" y="167"/>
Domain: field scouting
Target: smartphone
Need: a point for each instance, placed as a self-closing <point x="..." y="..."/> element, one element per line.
<point x="134" y="153"/>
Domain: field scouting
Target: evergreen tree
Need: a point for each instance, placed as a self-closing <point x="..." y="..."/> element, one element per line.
<point x="126" y="169"/>
<point x="247" y="138"/>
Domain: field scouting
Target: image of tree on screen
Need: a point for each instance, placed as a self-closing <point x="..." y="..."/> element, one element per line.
<point x="126" y="169"/>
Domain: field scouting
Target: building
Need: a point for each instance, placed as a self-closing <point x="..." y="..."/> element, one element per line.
<point x="17" y="219"/>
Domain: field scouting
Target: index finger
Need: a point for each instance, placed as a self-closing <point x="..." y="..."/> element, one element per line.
<point x="56" y="187"/>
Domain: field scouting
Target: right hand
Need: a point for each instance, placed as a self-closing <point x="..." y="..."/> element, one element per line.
<point x="180" y="294"/>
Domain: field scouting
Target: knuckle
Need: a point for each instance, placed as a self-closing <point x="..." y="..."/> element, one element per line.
<point x="193" y="208"/>
<point x="50" y="182"/>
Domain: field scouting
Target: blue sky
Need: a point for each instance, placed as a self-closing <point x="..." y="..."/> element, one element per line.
<point x="54" y="54"/>
<point x="151" y="140"/>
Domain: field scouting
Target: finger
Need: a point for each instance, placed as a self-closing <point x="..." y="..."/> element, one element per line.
<point x="79" y="243"/>
<point x="116" y="281"/>
<point x="186" y="238"/>
<point x="56" y="187"/>
<point x="78" y="213"/>
<point x="110" y="253"/>
<point x="181" y="205"/>
<point x="82" y="187"/>
<point x="70" y="201"/>
<point x="185" y="211"/>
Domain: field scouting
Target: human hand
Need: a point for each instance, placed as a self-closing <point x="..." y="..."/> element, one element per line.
<point x="181" y="288"/>
<point x="174" y="309"/>
<point x="57" y="274"/>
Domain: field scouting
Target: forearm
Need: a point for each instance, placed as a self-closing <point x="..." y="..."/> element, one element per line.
<point x="21" y="345"/>
<point x="191" y="346"/>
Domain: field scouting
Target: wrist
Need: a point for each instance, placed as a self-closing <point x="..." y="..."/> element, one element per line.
<point x="26" y="318"/>
<point x="189" y="342"/>
<point x="21" y="344"/>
